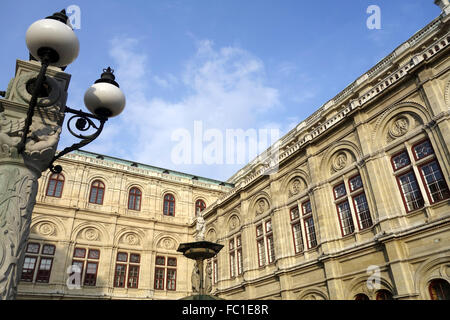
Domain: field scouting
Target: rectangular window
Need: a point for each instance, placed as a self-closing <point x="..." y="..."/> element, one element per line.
<point x="434" y="182"/>
<point x="310" y="232"/>
<point x="232" y="258"/>
<point x="122" y="256"/>
<point x="90" y="278"/>
<point x="362" y="211"/>
<point x="259" y="231"/>
<point x="339" y="191"/>
<point x="345" y="218"/>
<point x="166" y="273"/>
<point x="355" y="183"/>
<point x="215" y="271"/>
<point x="261" y="253"/>
<point x="271" y="248"/>
<point x="94" y="254"/>
<point x="135" y="258"/>
<point x="28" y="269"/>
<point x="171" y="279"/>
<point x="48" y="249"/>
<point x="294" y="213"/>
<point x="45" y="267"/>
<point x="160" y="261"/>
<point x="159" y="278"/>
<point x="77" y="266"/>
<point x="133" y="276"/>
<point x="422" y="150"/>
<point x="400" y="160"/>
<point x="298" y="241"/>
<point x="119" y="276"/>
<point x="172" y="262"/>
<point x="79" y="253"/>
<point x="33" y="248"/>
<point x="410" y="191"/>
<point x="239" y="261"/>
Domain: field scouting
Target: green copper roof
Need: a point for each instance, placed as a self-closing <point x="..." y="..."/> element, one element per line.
<point x="152" y="168"/>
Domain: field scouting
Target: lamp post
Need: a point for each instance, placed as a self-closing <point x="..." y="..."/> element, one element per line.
<point x="31" y="117"/>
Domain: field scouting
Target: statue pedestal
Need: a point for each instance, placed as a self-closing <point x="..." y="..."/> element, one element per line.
<point x="199" y="251"/>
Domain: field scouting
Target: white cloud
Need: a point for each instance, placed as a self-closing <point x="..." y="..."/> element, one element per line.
<point x="226" y="90"/>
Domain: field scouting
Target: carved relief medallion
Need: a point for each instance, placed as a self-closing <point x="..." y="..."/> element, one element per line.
<point x="295" y="187"/>
<point x="131" y="239"/>
<point x="46" y="229"/>
<point x="340" y="161"/>
<point x="399" y="127"/>
<point x="261" y="206"/>
<point x="91" y="234"/>
<point x="234" y="223"/>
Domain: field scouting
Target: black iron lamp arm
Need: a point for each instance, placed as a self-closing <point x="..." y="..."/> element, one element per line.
<point x="83" y="123"/>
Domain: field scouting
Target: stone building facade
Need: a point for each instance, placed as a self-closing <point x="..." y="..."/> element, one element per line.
<point x="358" y="207"/>
<point x="112" y="210"/>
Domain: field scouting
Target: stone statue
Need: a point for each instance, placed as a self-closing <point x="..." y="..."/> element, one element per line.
<point x="200" y="227"/>
<point x="208" y="278"/>
<point x="195" y="279"/>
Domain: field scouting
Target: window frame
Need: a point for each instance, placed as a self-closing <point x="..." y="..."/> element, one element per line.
<point x="57" y="180"/>
<point x="425" y="183"/>
<point x="358" y="220"/>
<point x="135" y="265"/>
<point x="397" y="177"/>
<point x="85" y="260"/>
<point x="340" y="217"/>
<point x="103" y="187"/>
<point x="137" y="194"/>
<point x="309" y="216"/>
<point x="32" y="270"/>
<point x="116" y="276"/>
<point x="199" y="204"/>
<point x="168" y="206"/>
<point x="165" y="269"/>
<point x="47" y="273"/>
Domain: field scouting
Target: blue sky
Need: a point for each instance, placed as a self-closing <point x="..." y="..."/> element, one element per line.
<point x="230" y="64"/>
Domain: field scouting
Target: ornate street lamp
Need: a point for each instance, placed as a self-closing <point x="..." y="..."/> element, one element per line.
<point x="28" y="141"/>
<point x="53" y="42"/>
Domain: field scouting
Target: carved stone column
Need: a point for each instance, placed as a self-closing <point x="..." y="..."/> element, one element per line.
<point x="19" y="173"/>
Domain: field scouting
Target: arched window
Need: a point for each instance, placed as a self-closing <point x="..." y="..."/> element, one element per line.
<point x="361" y="296"/>
<point x="199" y="207"/>
<point x="169" y="205"/>
<point x="55" y="185"/>
<point x="97" y="192"/>
<point x="439" y="289"/>
<point x="384" y="295"/>
<point x="134" y="199"/>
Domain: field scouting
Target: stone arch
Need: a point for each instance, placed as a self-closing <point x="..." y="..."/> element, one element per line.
<point x="287" y="186"/>
<point x="46" y="178"/>
<point x="312" y="294"/>
<point x="197" y="198"/>
<point x="339" y="156"/>
<point x="91" y="232"/>
<point x="233" y="221"/>
<point x="129" y="237"/>
<point x="175" y="194"/>
<point x="134" y="184"/>
<point x="91" y="180"/>
<point x="397" y="120"/>
<point x="48" y="227"/>
<point x="437" y="267"/>
<point x="360" y="285"/>
<point x="260" y="203"/>
<point x="167" y="242"/>
<point x="211" y="235"/>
